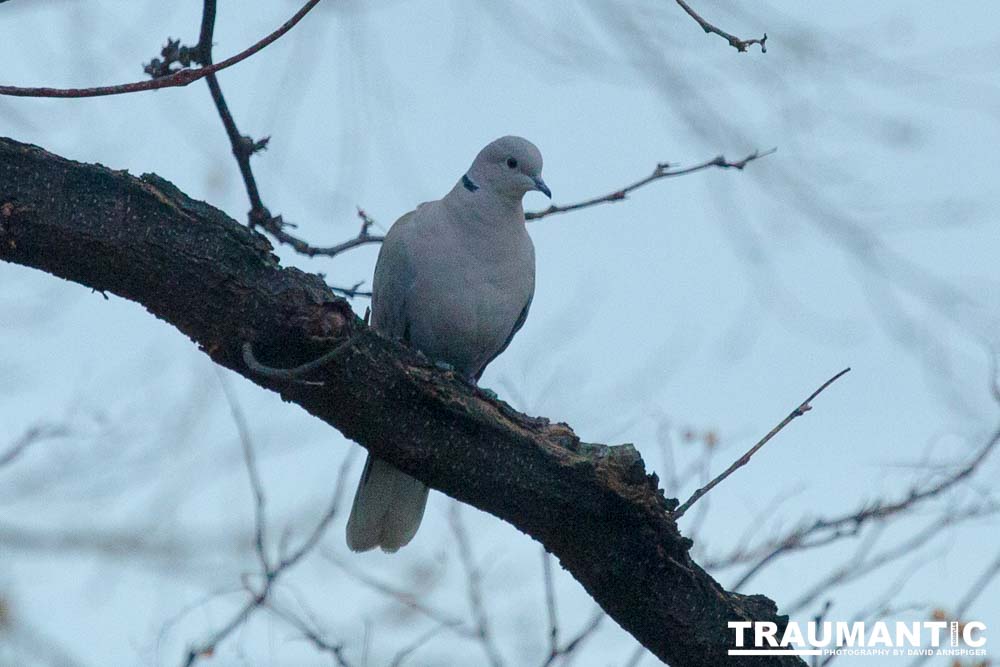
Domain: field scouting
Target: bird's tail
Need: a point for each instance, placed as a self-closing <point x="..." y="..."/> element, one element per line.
<point x="387" y="510"/>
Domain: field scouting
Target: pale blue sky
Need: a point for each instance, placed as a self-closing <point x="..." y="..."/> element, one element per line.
<point x="716" y="301"/>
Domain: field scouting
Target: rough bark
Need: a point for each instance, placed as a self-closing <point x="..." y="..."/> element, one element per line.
<point x="591" y="505"/>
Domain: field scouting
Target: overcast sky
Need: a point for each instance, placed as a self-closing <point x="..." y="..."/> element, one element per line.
<point x="709" y="303"/>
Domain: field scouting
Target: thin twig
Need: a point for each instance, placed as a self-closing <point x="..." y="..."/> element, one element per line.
<point x="332" y="509"/>
<point x="276" y="227"/>
<point x="824" y="531"/>
<point x="270" y="574"/>
<point x="292" y="374"/>
<point x="474" y="584"/>
<point x="550" y="605"/>
<point x="555" y="650"/>
<point x="637" y="655"/>
<point x="405" y="598"/>
<point x="180" y="78"/>
<point x="30" y="437"/>
<point x="662" y="170"/>
<point x="416" y="644"/>
<point x="253" y="473"/>
<point x="743" y="460"/>
<point x="577" y="641"/>
<point x="978" y="588"/>
<point x="818" y="620"/>
<point x="321" y="644"/>
<point x="244" y="147"/>
<point x="740" y="45"/>
<point x="864" y="563"/>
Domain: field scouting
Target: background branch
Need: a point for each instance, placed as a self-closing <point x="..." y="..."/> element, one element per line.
<point x="270" y="573"/>
<point x="740" y="45"/>
<point x="745" y="459"/>
<point x="175" y="79"/>
<point x="474" y="586"/>
<point x="662" y="170"/>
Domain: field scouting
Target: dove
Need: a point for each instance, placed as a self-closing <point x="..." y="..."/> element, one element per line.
<point x="454" y="279"/>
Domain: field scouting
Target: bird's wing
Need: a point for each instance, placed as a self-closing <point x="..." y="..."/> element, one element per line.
<point x="394" y="276"/>
<point x="517" y="327"/>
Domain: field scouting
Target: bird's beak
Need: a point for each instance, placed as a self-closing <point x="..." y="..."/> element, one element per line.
<point x="541" y="187"/>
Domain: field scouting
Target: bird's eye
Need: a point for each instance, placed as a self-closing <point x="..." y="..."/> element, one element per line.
<point x="512" y="163"/>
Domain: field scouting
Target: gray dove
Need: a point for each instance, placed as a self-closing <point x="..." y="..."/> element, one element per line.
<point x="454" y="279"/>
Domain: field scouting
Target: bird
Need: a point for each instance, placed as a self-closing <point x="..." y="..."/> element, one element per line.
<point x="454" y="279"/>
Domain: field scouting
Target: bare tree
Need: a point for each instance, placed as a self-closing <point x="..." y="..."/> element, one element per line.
<point x="594" y="506"/>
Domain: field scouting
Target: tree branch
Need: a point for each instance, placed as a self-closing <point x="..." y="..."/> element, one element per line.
<point x="820" y="532"/>
<point x="474" y="586"/>
<point x="803" y="408"/>
<point x="663" y="170"/>
<point x="270" y="572"/>
<point x="740" y="45"/>
<point x="593" y="506"/>
<point x="175" y="79"/>
<point x="33" y="435"/>
<point x="244" y="147"/>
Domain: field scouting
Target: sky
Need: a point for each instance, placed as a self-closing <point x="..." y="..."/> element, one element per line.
<point x="711" y="303"/>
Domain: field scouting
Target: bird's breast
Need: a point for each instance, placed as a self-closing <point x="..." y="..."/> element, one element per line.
<point x="465" y="309"/>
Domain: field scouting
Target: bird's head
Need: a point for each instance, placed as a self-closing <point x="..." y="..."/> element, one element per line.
<point x="509" y="167"/>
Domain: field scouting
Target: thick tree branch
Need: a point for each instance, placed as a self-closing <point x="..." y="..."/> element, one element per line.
<point x="591" y="505"/>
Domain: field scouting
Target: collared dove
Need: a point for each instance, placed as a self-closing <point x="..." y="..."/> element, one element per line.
<point x="454" y="279"/>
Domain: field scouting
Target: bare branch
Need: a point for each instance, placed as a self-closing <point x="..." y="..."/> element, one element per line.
<point x="420" y="641"/>
<point x="637" y="655"/>
<point x="740" y="45"/>
<point x="244" y="147"/>
<point x="256" y="485"/>
<point x="555" y="650"/>
<point x="978" y="587"/>
<point x="276" y="227"/>
<point x="405" y="598"/>
<point x="180" y="78"/>
<point x="332" y="509"/>
<point x="550" y="605"/>
<point x="30" y="437"/>
<point x="824" y="531"/>
<point x="577" y="641"/>
<point x="663" y="170"/>
<point x="474" y="584"/>
<point x="864" y="562"/>
<point x="137" y="544"/>
<point x="743" y="460"/>
<point x="270" y="574"/>
<point x="321" y="644"/>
